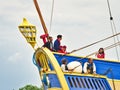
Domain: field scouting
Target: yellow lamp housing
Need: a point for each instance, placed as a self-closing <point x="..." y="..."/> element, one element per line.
<point x="28" y="31"/>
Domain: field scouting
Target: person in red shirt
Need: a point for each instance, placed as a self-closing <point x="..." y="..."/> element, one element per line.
<point x="63" y="50"/>
<point x="44" y="37"/>
<point x="47" y="40"/>
<point x="100" y="53"/>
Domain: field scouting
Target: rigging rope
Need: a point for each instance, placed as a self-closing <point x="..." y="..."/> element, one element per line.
<point x="111" y="18"/>
<point x="113" y="27"/>
<point x="106" y="48"/>
<point x="114" y="41"/>
<point x="51" y="18"/>
<point x="95" y="43"/>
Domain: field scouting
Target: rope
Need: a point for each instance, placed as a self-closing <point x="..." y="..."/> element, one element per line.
<point x="116" y="32"/>
<point x="106" y="48"/>
<point x="51" y="16"/>
<point x="111" y="18"/>
<point x="94" y="43"/>
<point x="113" y="27"/>
<point x="112" y="75"/>
<point x="74" y="68"/>
<point x="35" y="63"/>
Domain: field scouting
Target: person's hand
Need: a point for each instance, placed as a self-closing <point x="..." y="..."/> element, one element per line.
<point x="85" y="72"/>
<point x="94" y="72"/>
<point x="88" y="71"/>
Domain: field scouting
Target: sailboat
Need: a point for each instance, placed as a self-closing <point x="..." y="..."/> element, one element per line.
<point x="51" y="74"/>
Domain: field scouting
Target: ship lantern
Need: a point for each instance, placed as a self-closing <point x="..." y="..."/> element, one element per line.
<point x="28" y="31"/>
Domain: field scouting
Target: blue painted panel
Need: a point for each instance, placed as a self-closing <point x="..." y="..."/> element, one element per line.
<point x="54" y="82"/>
<point x="113" y="68"/>
<point x="87" y="83"/>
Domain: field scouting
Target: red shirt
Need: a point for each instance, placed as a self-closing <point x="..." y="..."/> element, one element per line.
<point x="61" y="50"/>
<point x="101" y="55"/>
<point x="43" y="37"/>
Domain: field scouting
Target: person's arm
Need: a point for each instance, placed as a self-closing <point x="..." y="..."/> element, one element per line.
<point x="104" y="55"/>
<point x="56" y="45"/>
<point x="96" y="54"/>
<point x="43" y="37"/>
<point x="85" y="67"/>
<point x="94" y="68"/>
<point x="46" y="44"/>
<point x="63" y="67"/>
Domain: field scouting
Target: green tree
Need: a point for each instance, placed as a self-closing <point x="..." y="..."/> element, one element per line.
<point x="30" y="87"/>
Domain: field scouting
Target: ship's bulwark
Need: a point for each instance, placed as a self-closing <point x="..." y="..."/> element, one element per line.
<point x="109" y="68"/>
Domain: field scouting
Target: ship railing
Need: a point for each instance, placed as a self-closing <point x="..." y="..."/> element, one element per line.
<point x="78" y="81"/>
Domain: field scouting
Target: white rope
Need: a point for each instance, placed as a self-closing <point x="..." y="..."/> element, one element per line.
<point x="94" y="43"/>
<point x="106" y="48"/>
<point x="113" y="27"/>
<point x="51" y="18"/>
<point x="114" y="39"/>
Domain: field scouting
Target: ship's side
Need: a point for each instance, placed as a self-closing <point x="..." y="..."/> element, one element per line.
<point x="53" y="78"/>
<point x="109" y="68"/>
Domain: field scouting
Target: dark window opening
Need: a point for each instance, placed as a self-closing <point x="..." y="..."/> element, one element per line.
<point x="82" y="83"/>
<point x="78" y="82"/>
<point x="90" y="83"/>
<point x="101" y="84"/>
<point x="86" y="83"/>
<point x="74" y="82"/>
<point x="98" y="84"/>
<point x="94" y="84"/>
<point x="70" y="82"/>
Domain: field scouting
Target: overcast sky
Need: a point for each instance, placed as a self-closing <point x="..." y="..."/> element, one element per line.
<point x="81" y="22"/>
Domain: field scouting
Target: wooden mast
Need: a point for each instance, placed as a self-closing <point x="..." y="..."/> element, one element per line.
<point x="40" y="16"/>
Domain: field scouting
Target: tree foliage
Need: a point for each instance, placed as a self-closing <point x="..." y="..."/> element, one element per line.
<point x="30" y="87"/>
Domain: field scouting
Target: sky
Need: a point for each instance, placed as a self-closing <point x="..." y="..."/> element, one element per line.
<point x="81" y="22"/>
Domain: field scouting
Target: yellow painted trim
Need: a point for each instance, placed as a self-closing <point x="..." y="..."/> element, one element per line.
<point x="116" y="84"/>
<point x="78" y="74"/>
<point x="56" y="66"/>
<point x="114" y="80"/>
<point x="89" y="57"/>
<point x="54" y="88"/>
